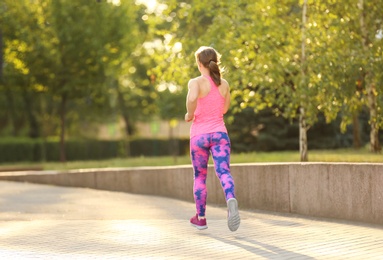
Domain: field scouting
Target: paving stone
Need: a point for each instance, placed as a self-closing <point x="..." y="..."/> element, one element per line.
<point x="50" y="222"/>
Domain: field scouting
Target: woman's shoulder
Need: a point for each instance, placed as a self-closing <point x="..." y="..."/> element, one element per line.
<point x="194" y="82"/>
<point x="198" y="80"/>
<point x="224" y="83"/>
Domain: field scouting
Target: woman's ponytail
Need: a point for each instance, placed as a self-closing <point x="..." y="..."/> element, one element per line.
<point x="215" y="72"/>
<point x="210" y="59"/>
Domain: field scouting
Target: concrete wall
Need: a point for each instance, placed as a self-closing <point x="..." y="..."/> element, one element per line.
<point x="332" y="190"/>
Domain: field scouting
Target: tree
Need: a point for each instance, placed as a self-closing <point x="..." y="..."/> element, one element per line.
<point x="271" y="51"/>
<point x="303" y="149"/>
<point x="90" y="51"/>
<point x="358" y="63"/>
<point x="77" y="47"/>
<point x="19" y="83"/>
<point x="86" y="56"/>
<point x="278" y="69"/>
<point x="131" y="90"/>
<point x="368" y="16"/>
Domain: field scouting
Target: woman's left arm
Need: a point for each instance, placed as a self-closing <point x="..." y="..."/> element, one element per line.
<point x="191" y="99"/>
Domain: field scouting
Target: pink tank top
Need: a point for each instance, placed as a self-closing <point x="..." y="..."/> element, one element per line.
<point x="209" y="113"/>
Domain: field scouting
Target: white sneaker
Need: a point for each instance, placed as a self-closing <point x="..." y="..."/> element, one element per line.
<point x="233" y="219"/>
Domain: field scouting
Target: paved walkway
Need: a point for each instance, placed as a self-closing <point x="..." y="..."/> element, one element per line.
<point x="48" y="222"/>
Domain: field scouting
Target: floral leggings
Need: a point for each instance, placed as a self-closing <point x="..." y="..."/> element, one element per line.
<point x="218" y="144"/>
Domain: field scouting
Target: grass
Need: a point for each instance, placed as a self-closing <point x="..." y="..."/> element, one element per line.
<point x="341" y="155"/>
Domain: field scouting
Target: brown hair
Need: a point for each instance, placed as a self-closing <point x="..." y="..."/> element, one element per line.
<point x="210" y="59"/>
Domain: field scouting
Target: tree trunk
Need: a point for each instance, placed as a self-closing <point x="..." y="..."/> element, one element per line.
<point x="1" y="56"/>
<point x="369" y="82"/>
<point x="8" y="93"/>
<point x="43" y="129"/>
<point x="302" y="112"/>
<point x="125" y="117"/>
<point x="374" y="132"/>
<point x="11" y="111"/>
<point x="356" y="131"/>
<point x="63" y="126"/>
<point x="34" y="131"/>
<point x="303" y="135"/>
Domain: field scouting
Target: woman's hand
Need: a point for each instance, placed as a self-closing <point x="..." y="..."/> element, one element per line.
<point x="188" y="118"/>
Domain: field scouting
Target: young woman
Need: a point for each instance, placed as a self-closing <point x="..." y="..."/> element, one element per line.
<point x="208" y="99"/>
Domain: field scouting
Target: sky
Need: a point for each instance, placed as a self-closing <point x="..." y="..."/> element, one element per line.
<point x="151" y="4"/>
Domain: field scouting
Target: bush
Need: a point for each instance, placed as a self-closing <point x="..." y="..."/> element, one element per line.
<point x="36" y="150"/>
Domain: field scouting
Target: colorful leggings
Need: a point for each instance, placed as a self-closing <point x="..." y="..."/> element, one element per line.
<point x="218" y="144"/>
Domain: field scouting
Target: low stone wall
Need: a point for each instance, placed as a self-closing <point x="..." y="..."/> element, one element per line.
<point x="349" y="191"/>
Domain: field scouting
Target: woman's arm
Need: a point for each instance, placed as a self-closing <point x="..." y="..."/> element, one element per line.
<point x="227" y="98"/>
<point x="191" y="99"/>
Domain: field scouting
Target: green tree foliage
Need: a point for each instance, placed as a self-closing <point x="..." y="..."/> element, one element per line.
<point x="18" y="86"/>
<point x="166" y="63"/>
<point x="350" y="68"/>
<point x="70" y="63"/>
<point x="276" y="56"/>
<point x="78" y="55"/>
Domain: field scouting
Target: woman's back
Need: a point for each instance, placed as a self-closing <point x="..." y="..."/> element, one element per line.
<point x="210" y="108"/>
<point x="205" y="86"/>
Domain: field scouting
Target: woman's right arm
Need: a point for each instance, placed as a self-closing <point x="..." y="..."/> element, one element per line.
<point x="227" y="97"/>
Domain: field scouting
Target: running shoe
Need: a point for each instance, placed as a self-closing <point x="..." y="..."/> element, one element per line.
<point x="198" y="223"/>
<point x="233" y="219"/>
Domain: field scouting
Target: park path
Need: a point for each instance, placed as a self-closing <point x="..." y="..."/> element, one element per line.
<point x="50" y="222"/>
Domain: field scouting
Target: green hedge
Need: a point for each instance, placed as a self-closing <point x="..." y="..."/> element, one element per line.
<point x="30" y="150"/>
